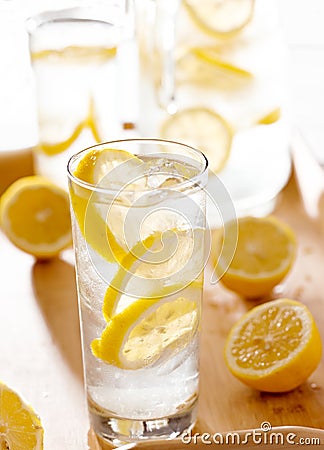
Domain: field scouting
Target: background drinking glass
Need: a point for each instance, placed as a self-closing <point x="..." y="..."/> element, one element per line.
<point x="73" y="54"/>
<point x="139" y="237"/>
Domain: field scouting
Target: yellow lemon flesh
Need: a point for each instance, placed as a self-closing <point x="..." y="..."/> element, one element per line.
<point x="220" y="18"/>
<point x="206" y="66"/>
<point x="185" y="243"/>
<point x="272" y="117"/>
<point x="265" y="252"/>
<point x="204" y="129"/>
<point x="35" y="216"/>
<point x="97" y="227"/>
<point x="74" y="54"/>
<point x="20" y="427"/>
<point x="143" y="331"/>
<point x="274" y="347"/>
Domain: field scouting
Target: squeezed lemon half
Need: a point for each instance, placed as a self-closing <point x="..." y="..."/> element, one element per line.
<point x="274" y="347"/>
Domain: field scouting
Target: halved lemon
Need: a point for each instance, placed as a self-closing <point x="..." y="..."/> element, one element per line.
<point x="35" y="216"/>
<point x="266" y="249"/>
<point x="207" y="67"/>
<point x="274" y="347"/>
<point x="148" y="328"/>
<point x="202" y="128"/>
<point x="221" y="18"/>
<point x="20" y="427"/>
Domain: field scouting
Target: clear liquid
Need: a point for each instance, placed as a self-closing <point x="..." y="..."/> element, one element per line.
<point x="75" y="72"/>
<point x="167" y="389"/>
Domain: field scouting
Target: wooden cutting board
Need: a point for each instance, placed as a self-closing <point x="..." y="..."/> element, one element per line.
<point x="225" y="403"/>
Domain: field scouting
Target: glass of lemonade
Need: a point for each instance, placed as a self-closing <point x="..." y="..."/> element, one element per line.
<point x="73" y="55"/>
<point x="138" y="217"/>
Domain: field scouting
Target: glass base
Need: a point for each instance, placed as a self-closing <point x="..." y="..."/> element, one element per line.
<point x="119" y="431"/>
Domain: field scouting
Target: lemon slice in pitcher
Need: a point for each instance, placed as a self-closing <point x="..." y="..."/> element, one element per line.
<point x="221" y="18"/>
<point x="206" y="66"/>
<point x="202" y="128"/>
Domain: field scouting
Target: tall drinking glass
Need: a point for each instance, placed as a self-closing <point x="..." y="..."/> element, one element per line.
<point x="138" y="215"/>
<point x="73" y="55"/>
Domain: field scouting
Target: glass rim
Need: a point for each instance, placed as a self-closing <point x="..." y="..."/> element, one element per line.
<point x="90" y="13"/>
<point x="186" y="184"/>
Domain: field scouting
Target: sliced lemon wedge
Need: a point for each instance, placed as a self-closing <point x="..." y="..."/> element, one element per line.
<point x="221" y="18"/>
<point x="202" y="128"/>
<point x="142" y="333"/>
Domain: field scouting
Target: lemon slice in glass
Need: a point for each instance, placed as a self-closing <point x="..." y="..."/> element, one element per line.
<point x="20" y="427"/>
<point x="98" y="224"/>
<point x="221" y="18"/>
<point x="140" y="334"/>
<point x="171" y="255"/>
<point x="202" y="128"/>
<point x="274" y="347"/>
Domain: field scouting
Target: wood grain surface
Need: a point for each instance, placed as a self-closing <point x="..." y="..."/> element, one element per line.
<point x="40" y="347"/>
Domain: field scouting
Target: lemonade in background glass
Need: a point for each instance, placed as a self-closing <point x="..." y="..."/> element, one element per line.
<point x="73" y="55"/>
<point x="138" y="218"/>
<point x="229" y="96"/>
